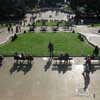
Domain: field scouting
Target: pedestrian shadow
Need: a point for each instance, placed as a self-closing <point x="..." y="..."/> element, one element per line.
<point x="48" y="64"/>
<point x="25" y="67"/>
<point x="62" y="68"/>
<point x="1" y="61"/>
<point x="94" y="67"/>
<point x="86" y="79"/>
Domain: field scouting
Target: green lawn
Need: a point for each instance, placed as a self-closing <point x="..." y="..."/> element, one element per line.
<point x="37" y="44"/>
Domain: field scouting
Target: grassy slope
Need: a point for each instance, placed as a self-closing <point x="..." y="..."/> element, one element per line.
<point x="37" y="44"/>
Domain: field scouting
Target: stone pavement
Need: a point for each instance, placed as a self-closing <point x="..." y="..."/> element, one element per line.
<point x="36" y="83"/>
<point x="91" y="33"/>
<point x="5" y="36"/>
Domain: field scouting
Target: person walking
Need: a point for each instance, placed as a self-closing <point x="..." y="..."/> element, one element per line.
<point x="88" y="63"/>
<point x="50" y="49"/>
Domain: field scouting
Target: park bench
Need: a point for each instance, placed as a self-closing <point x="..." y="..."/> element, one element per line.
<point x="94" y="59"/>
<point x="55" y="29"/>
<point x="43" y="28"/>
<point x="23" y="58"/>
<point x="57" y="59"/>
<point x="32" y="28"/>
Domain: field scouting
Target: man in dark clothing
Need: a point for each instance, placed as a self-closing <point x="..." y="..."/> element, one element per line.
<point x="50" y="48"/>
<point x="88" y="63"/>
<point x="96" y="51"/>
<point x="66" y="58"/>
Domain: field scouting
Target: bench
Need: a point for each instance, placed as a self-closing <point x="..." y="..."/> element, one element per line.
<point x="55" y="29"/>
<point x="57" y="59"/>
<point x="28" y="58"/>
<point x="43" y="29"/>
<point x="93" y="59"/>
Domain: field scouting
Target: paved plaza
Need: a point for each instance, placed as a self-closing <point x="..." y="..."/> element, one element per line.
<point x="43" y="80"/>
<point x="91" y="33"/>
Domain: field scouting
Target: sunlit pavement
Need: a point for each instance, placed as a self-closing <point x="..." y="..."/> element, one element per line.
<point x="91" y="33"/>
<point x="44" y="81"/>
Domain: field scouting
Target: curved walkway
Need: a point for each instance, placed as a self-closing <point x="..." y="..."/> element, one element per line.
<point x="91" y="34"/>
<point x="5" y="36"/>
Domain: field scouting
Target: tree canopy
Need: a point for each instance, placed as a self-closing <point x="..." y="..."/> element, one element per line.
<point x="87" y="7"/>
<point x="17" y="8"/>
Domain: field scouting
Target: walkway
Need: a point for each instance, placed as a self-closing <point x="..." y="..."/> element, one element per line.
<point x="53" y="84"/>
<point x="5" y="36"/>
<point x="91" y="33"/>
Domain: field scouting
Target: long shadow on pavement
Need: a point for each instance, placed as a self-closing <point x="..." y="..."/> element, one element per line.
<point x="25" y="67"/>
<point x="48" y="64"/>
<point x="62" y="68"/>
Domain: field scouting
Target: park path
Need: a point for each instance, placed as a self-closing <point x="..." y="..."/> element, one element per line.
<point x="5" y="36"/>
<point x="91" y="34"/>
<point x="41" y="80"/>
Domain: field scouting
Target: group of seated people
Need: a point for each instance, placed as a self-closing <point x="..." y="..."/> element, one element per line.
<point x="63" y="58"/>
<point x="19" y="55"/>
<point x="22" y="56"/>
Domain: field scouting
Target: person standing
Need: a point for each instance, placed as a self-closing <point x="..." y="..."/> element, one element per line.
<point x="8" y="29"/>
<point x="88" y="63"/>
<point x="50" y="49"/>
<point x="96" y="51"/>
<point x="12" y="30"/>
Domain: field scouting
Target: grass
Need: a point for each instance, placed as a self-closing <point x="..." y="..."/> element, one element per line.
<point x="37" y="44"/>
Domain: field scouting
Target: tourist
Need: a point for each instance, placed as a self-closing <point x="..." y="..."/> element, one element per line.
<point x="17" y="29"/>
<point x="61" y="57"/>
<point x="88" y="63"/>
<point x="8" y="29"/>
<point x="51" y="49"/>
<point x="66" y="58"/>
<point x="12" y="30"/>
